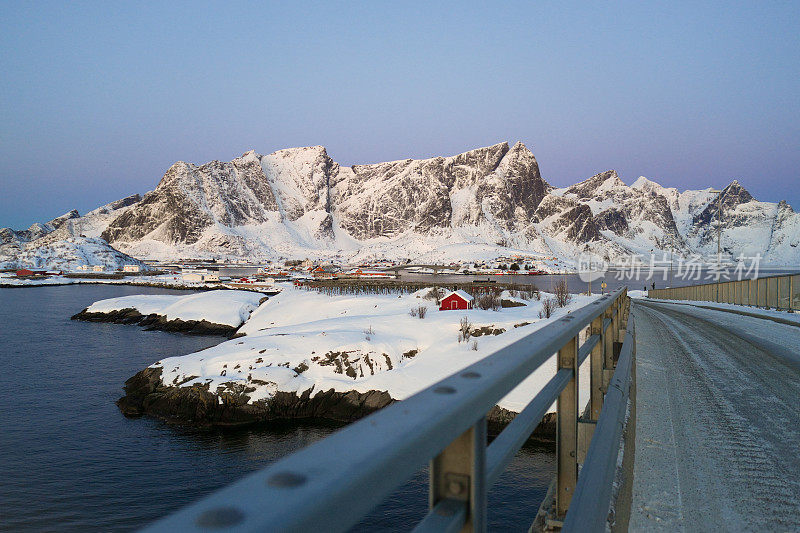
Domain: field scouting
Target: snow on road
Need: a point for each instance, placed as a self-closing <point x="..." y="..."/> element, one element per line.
<point x="717" y="422"/>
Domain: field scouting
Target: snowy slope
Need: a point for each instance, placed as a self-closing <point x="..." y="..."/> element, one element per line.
<point x="299" y="340"/>
<point x="68" y="254"/>
<point x="226" y="307"/>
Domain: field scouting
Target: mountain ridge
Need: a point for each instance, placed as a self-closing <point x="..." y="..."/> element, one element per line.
<point x="299" y="202"/>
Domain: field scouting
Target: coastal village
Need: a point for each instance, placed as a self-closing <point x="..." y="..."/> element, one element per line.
<point x="237" y="274"/>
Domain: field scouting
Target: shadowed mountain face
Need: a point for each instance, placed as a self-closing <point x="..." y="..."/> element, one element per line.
<point x="299" y="202"/>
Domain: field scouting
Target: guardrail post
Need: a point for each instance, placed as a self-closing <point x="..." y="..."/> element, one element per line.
<point x="597" y="387"/>
<point x="608" y="346"/>
<point x="459" y="473"/>
<point x="567" y="429"/>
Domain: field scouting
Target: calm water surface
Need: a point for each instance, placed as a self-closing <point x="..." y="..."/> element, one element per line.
<point x="70" y="461"/>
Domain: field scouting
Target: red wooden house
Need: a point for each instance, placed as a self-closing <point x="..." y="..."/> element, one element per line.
<point x="456" y="300"/>
<point x="25" y="272"/>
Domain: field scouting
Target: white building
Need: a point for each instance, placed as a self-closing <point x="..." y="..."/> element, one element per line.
<point x="130" y="268"/>
<point x="199" y="276"/>
<point x="98" y="268"/>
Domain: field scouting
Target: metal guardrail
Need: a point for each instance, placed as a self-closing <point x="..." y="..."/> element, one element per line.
<point x="776" y="292"/>
<point x="333" y="483"/>
<point x="590" y="503"/>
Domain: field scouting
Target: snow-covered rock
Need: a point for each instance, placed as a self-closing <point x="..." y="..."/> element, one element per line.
<point x="226" y="307"/>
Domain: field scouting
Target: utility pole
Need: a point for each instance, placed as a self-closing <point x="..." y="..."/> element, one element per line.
<point x="719" y="228"/>
<point x="719" y="234"/>
<point x="671" y="253"/>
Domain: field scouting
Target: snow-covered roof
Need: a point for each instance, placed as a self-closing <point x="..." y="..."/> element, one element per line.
<point x="461" y="294"/>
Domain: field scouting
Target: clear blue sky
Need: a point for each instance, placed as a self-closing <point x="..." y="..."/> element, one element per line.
<point x="97" y="100"/>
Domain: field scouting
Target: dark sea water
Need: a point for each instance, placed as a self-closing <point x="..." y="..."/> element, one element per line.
<point x="70" y="461"/>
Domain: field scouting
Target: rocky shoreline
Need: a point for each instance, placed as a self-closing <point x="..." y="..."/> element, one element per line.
<point x="154" y="321"/>
<point x="145" y="394"/>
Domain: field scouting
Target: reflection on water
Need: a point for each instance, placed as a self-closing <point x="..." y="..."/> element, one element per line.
<point x="70" y="461"/>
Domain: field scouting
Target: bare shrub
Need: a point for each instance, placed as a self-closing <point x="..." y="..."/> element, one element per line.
<point x="414" y="311"/>
<point x="434" y="294"/>
<point x="529" y="293"/>
<point x="369" y="331"/>
<point x="488" y="301"/>
<point x="474" y="346"/>
<point x="422" y="311"/>
<point x="547" y="308"/>
<point x="561" y="293"/>
<point x="463" y="329"/>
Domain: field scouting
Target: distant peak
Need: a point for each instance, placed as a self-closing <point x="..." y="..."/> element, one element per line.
<point x="603" y="177"/>
<point x="734" y="187"/>
<point x="735" y="194"/>
<point x="643" y="183"/>
<point x="501" y="147"/>
<point x="299" y="150"/>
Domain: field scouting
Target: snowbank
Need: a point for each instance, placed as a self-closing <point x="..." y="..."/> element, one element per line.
<point x="225" y="307"/>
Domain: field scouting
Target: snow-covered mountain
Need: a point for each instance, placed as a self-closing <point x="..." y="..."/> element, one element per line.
<point x="67" y="242"/>
<point x="298" y="203"/>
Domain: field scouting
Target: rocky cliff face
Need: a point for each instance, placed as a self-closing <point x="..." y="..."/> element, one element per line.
<point x="300" y="203"/>
<point x="494" y="185"/>
<point x="497" y="184"/>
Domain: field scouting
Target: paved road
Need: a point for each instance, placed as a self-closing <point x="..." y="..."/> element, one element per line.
<point x="717" y="422"/>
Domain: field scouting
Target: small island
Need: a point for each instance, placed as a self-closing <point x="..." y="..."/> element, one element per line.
<point x="306" y="354"/>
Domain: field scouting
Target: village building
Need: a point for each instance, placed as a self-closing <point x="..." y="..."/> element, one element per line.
<point x="456" y="300"/>
<point x="25" y="272"/>
<point x="199" y="276"/>
<point x="98" y="268"/>
<point x="364" y="273"/>
<point x="130" y="268"/>
<point x="325" y="272"/>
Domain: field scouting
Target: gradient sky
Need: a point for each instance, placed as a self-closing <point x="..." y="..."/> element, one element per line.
<point x="97" y="100"/>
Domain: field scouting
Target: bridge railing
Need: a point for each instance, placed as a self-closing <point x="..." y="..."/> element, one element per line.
<point x="777" y="292"/>
<point x="332" y="484"/>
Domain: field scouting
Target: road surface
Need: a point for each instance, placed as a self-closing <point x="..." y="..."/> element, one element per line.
<point x="717" y="445"/>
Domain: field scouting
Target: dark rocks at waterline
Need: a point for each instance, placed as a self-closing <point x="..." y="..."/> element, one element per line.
<point x="498" y="418"/>
<point x="196" y="405"/>
<point x="154" y="321"/>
